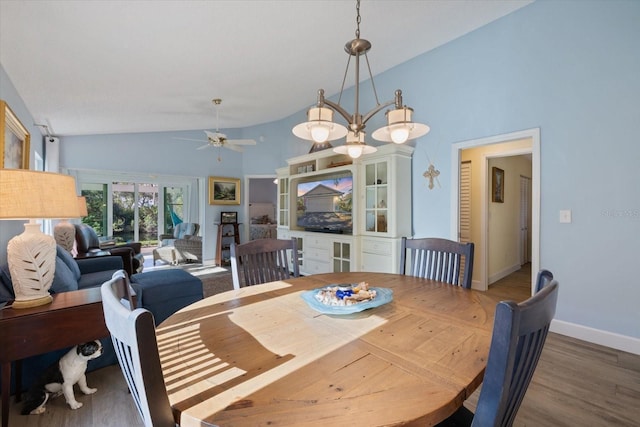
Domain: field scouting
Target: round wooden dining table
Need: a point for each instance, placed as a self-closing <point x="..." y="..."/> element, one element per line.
<point x="261" y="355"/>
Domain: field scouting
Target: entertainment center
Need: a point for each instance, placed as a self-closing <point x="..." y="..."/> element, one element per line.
<point x="347" y="214"/>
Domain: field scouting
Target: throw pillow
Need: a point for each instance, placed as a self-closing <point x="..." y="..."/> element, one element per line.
<point x="68" y="260"/>
<point x="6" y="287"/>
<point x="63" y="278"/>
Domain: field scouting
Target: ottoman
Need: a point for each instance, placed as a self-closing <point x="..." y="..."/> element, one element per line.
<point x="163" y="292"/>
<point x="168" y="254"/>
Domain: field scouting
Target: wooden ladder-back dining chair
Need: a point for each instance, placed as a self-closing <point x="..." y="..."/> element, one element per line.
<point x="134" y="339"/>
<point x="544" y="278"/>
<point x="263" y="260"/>
<point x="519" y="333"/>
<point x="437" y="259"/>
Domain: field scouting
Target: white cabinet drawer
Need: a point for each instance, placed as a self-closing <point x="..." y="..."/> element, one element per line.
<point x="316" y="253"/>
<point x="284" y="234"/>
<point x="376" y="247"/>
<point x="377" y="263"/>
<point x="316" y="267"/>
<point x="316" y="242"/>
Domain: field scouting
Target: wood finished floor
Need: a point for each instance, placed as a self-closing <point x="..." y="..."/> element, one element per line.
<point x="576" y="384"/>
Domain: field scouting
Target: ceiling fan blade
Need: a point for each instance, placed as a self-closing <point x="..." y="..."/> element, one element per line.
<point x="233" y="147"/>
<point x="204" y="146"/>
<point x="241" y="141"/>
<point x="189" y="139"/>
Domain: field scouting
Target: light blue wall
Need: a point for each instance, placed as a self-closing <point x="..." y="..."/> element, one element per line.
<point x="8" y="93"/>
<point x="569" y="68"/>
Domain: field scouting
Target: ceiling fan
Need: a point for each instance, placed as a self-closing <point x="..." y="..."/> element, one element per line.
<point x="217" y="139"/>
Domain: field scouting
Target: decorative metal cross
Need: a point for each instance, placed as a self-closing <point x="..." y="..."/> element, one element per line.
<point x="432" y="173"/>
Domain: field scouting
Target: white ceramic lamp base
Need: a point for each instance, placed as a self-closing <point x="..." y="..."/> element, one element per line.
<point x="32" y="263"/>
<point x="65" y="234"/>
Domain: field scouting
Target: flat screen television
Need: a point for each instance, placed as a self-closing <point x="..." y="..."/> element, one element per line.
<point x="324" y="203"/>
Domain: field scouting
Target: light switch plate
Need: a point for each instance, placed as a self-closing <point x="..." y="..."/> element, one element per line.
<point x="565" y="216"/>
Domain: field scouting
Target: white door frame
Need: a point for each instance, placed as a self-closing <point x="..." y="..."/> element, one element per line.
<point x="456" y="148"/>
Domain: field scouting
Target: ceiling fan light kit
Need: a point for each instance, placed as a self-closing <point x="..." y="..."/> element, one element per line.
<point x="219" y="140"/>
<point x="321" y="128"/>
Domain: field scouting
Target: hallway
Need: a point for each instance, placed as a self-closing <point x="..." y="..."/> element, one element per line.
<point x="516" y="286"/>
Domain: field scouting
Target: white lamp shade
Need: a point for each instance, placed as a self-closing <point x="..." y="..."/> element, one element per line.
<point x="82" y="206"/>
<point x="320" y="126"/>
<point x="400" y="128"/>
<point x="27" y="194"/>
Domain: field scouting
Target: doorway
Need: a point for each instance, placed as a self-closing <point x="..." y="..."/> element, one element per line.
<point x="260" y="201"/>
<point x="514" y="144"/>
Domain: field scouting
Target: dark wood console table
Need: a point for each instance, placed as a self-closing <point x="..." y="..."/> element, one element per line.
<point x="71" y="318"/>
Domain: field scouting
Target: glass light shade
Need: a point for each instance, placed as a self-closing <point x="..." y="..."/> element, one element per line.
<point x="355" y="146"/>
<point x="399" y="134"/>
<point x="319" y="131"/>
<point x="400" y="128"/>
<point x="354" y="151"/>
<point x="320" y="126"/>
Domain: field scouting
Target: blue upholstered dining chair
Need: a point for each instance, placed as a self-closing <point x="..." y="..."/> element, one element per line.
<point x="263" y="260"/>
<point x="134" y="339"/>
<point x="519" y="333"/>
<point x="544" y="278"/>
<point x="437" y="259"/>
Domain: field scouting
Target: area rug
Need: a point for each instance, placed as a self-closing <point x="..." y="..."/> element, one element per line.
<point x="214" y="279"/>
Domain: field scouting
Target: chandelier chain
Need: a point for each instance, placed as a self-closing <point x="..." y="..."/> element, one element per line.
<point x="358" y="19"/>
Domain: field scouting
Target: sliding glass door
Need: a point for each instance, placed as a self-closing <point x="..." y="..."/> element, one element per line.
<point x="129" y="211"/>
<point x="174" y="214"/>
<point x="135" y="212"/>
<point x="97" y="202"/>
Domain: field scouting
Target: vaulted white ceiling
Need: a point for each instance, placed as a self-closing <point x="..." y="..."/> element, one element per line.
<point x="93" y="67"/>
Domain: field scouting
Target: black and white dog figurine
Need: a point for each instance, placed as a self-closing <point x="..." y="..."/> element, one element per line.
<point x="60" y="377"/>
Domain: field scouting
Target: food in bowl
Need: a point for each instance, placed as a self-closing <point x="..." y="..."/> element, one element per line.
<point x="345" y="295"/>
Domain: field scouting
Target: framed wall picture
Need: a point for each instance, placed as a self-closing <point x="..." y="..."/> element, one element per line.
<point x="14" y="140"/>
<point x="497" y="185"/>
<point x="228" y="217"/>
<point x="224" y="191"/>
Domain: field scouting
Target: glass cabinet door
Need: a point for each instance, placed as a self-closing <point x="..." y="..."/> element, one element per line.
<point x="376" y="198"/>
<point x="283" y="202"/>
<point x="341" y="257"/>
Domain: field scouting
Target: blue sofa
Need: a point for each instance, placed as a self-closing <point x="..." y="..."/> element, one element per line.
<point x="162" y="292"/>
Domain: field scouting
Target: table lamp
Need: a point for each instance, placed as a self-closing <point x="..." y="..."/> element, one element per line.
<point x="64" y="232"/>
<point x="26" y="194"/>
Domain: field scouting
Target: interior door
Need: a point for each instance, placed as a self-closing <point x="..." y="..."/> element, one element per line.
<point x="464" y="228"/>
<point x="525" y="219"/>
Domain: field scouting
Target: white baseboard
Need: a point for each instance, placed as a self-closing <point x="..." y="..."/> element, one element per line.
<point x="504" y="273"/>
<point x="596" y="336"/>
